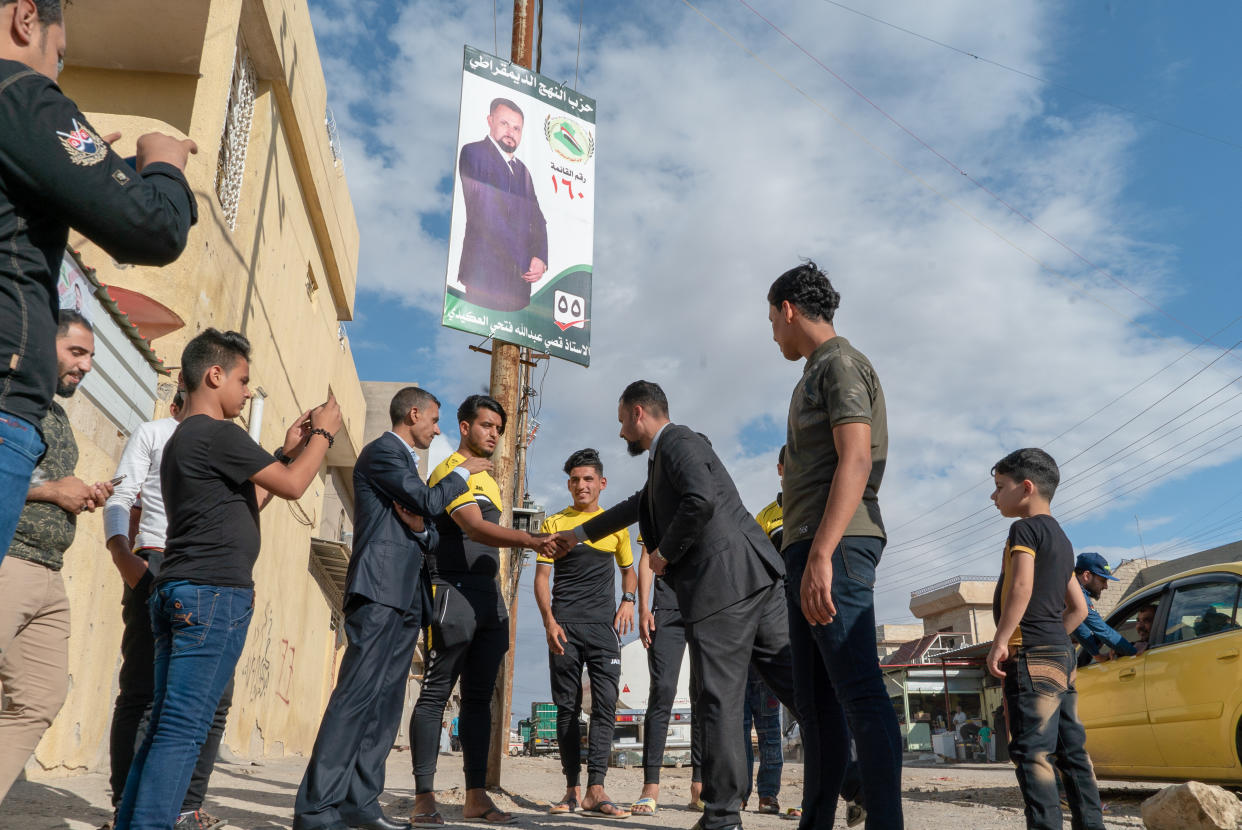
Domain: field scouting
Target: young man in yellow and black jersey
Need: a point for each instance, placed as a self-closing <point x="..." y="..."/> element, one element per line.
<point x="463" y="570"/>
<point x="584" y="630"/>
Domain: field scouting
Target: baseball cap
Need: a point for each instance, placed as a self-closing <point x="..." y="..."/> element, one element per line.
<point x="1095" y="563"/>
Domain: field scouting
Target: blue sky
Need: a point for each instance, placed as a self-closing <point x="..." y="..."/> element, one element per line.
<point x="715" y="175"/>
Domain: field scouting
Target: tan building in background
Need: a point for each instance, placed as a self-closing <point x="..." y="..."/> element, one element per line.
<point x="961" y="604"/>
<point x="274" y="255"/>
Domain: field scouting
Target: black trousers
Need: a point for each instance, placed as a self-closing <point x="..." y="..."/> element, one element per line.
<point x="595" y="646"/>
<point x="132" y="710"/>
<point x="345" y="776"/>
<point x="475" y="662"/>
<point x="668" y="644"/>
<point x="755" y="631"/>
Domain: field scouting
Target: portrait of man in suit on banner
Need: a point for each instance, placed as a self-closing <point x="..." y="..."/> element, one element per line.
<point x="505" y="250"/>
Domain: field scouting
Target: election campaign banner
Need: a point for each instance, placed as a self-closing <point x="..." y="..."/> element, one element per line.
<point x="520" y="243"/>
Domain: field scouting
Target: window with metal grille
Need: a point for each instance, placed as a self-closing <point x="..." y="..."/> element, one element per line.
<point x="231" y="165"/>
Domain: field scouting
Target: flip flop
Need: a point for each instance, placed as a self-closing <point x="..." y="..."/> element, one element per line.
<point x="698" y="806"/>
<point x="433" y="817"/>
<point x="569" y="805"/>
<point x="792" y="812"/>
<point x="645" y="806"/>
<point x="598" y="810"/>
<point x="486" y="818"/>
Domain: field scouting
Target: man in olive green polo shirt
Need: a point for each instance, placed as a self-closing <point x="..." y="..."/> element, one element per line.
<point x="836" y="447"/>
<point x="34" y="609"/>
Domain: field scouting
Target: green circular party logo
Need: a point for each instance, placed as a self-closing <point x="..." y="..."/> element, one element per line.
<point x="568" y="139"/>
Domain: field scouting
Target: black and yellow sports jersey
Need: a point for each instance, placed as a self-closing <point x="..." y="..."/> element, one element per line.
<point x="457" y="554"/>
<point x="583" y="584"/>
<point x="771" y="519"/>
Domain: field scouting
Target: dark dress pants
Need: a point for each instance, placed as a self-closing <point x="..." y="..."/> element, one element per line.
<point x="755" y="631"/>
<point x="132" y="711"/>
<point x="668" y="644"/>
<point x="345" y="776"/>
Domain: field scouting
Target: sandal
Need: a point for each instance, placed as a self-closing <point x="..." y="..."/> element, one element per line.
<point x="493" y="815"/>
<point x="433" y="817"/>
<point x="569" y="805"/>
<point x="698" y="805"/>
<point x="616" y="811"/>
<point x="645" y="806"/>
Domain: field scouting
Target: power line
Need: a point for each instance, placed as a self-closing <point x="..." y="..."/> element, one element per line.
<point x="1069" y="429"/>
<point x="1034" y="77"/>
<point x="978" y="184"/>
<point x="950" y="163"/>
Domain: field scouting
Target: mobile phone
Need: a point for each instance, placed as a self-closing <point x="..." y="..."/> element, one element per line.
<point x="118" y="479"/>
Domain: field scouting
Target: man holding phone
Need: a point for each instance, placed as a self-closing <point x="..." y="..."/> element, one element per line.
<point x="34" y="610"/>
<point x="137" y="552"/>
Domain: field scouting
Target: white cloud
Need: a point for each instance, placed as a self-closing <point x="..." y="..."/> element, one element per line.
<point x="714" y="176"/>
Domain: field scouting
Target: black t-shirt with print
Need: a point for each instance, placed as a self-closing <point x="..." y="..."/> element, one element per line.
<point x="1042" y="538"/>
<point x="213" y="515"/>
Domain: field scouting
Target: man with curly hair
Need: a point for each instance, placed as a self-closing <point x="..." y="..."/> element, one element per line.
<point x="836" y="448"/>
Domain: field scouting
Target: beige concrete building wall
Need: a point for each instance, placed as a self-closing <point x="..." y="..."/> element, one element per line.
<point x="284" y="276"/>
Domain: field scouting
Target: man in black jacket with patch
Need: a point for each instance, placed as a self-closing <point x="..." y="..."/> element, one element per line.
<point x="387" y="603"/>
<point x="56" y="171"/>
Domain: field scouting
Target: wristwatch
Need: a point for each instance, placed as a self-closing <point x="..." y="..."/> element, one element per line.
<point x="280" y="456"/>
<point x="628" y="596"/>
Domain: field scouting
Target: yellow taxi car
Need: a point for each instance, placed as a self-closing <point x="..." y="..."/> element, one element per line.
<point x="1173" y="711"/>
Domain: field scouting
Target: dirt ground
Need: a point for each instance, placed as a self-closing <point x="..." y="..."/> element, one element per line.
<point x="260" y="795"/>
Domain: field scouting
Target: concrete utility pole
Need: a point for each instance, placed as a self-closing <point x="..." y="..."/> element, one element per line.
<point x="507" y="387"/>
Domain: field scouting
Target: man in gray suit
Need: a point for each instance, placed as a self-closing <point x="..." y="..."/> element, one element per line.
<point x="728" y="578"/>
<point x="387" y="603"/>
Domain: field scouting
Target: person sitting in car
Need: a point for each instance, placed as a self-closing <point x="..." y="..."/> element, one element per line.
<point x="1142" y="627"/>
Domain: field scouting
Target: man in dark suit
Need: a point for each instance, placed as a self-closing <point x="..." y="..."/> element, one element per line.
<point x="727" y="576"/>
<point x="387" y="602"/>
<point x="505" y="248"/>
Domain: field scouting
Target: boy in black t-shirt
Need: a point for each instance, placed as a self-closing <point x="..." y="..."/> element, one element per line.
<point x="214" y="479"/>
<point x="1037" y="604"/>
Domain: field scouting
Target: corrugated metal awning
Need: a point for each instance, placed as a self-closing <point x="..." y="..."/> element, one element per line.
<point x="329" y="563"/>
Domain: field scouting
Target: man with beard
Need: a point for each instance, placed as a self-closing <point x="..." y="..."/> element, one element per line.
<point x="727" y="576"/>
<point x="1093" y="574"/>
<point x="469" y="634"/>
<point x="34" y="610"/>
<point x="505" y="249"/>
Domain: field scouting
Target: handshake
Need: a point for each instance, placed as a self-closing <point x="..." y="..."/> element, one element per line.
<point x="553" y="545"/>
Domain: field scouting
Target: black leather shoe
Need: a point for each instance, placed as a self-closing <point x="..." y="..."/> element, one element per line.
<point x="382" y="823"/>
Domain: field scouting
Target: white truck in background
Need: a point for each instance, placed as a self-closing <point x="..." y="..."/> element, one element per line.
<point x="630" y="728"/>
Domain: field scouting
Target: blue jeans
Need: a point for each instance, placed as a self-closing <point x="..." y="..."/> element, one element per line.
<point x="199" y="633"/>
<point x="1041" y="706"/>
<point x="764" y="710"/>
<point x="837" y="681"/>
<point x="20" y="450"/>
